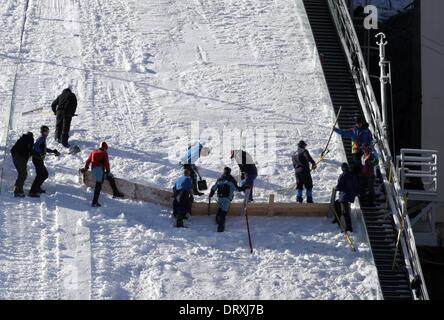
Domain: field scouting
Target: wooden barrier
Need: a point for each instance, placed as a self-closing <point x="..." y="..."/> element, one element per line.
<point x="270" y="209"/>
<point x="138" y="192"/>
<point x="132" y="191"/>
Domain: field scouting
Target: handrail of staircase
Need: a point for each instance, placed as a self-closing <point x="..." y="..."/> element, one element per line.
<point x="372" y="112"/>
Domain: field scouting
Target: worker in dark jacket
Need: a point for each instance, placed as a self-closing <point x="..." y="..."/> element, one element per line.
<point x="248" y="171"/>
<point x="225" y="187"/>
<point x="64" y="108"/>
<point x="100" y="168"/>
<point x="21" y="152"/>
<point x="39" y="152"/>
<point x="348" y="190"/>
<point x="183" y="197"/>
<point x="301" y="163"/>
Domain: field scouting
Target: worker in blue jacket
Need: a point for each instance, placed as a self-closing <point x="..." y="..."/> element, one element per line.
<point x="183" y="197"/>
<point x="188" y="161"/>
<point x="360" y="136"/>
<point x="39" y="152"/>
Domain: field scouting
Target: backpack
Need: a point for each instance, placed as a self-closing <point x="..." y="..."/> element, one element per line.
<point x="223" y="189"/>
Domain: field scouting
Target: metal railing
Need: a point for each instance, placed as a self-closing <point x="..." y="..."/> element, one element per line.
<point x="420" y="165"/>
<point x="395" y="198"/>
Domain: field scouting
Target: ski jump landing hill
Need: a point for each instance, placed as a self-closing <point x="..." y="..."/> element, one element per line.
<point x="141" y="70"/>
<point x="162" y="197"/>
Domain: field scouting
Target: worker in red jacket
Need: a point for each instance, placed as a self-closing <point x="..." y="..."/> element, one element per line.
<point x="98" y="159"/>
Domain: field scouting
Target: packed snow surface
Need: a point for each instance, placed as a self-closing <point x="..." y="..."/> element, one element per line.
<point x="144" y="71"/>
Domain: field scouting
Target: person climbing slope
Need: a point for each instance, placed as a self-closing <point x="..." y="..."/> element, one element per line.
<point x="21" y="152"/>
<point x="371" y="161"/>
<point x="39" y="151"/>
<point x="194" y="152"/>
<point x="64" y="108"/>
<point x="100" y="168"/>
<point x="248" y="171"/>
<point x="348" y="189"/>
<point x="301" y="162"/>
<point x="224" y="188"/>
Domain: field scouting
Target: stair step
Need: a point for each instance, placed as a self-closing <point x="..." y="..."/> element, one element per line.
<point x="397" y="297"/>
<point x="396" y="277"/>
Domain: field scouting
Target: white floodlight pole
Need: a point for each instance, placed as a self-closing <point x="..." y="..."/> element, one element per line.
<point x="384" y="77"/>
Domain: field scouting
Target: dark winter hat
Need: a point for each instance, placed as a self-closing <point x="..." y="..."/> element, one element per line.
<point x="44" y="129"/>
<point x="104" y="145"/>
<point x="345" y="167"/>
<point x="302" y="144"/>
<point x="29" y="133"/>
<point x="359" y="119"/>
<point x="227" y="170"/>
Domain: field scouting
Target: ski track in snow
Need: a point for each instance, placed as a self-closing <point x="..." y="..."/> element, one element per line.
<point x="142" y="69"/>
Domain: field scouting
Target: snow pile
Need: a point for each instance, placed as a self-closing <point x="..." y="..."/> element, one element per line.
<point x="143" y="70"/>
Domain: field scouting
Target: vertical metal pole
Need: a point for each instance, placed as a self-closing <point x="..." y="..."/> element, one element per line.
<point x="383" y="77"/>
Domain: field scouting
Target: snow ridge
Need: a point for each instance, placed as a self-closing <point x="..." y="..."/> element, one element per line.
<point x="10" y="113"/>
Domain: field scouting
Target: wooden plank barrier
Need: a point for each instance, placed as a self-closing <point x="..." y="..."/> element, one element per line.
<point x="132" y="191"/>
<point x="138" y="192"/>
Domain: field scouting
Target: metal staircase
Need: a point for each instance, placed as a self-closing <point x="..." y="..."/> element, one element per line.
<point x="349" y="87"/>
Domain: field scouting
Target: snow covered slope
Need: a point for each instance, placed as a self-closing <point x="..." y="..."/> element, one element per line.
<point x="141" y="70"/>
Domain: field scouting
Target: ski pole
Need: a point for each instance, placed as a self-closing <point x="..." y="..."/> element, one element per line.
<point x="332" y="131"/>
<point x="32" y="111"/>
<point x="209" y="206"/>
<point x="248" y="230"/>
<point x="247" y="195"/>
<point x="341" y="226"/>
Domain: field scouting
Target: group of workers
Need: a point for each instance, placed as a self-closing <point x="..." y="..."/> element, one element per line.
<point x="187" y="185"/>
<point x="357" y="178"/>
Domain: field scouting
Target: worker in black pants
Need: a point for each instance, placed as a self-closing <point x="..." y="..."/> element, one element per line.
<point x="64" y="108"/>
<point x="348" y="189"/>
<point x="39" y="152"/>
<point x="21" y="152"/>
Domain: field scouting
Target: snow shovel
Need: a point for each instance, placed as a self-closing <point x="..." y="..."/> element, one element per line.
<point x="74" y="149"/>
<point x="32" y="111"/>
<point x="202" y="185"/>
